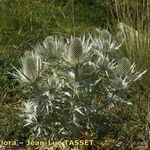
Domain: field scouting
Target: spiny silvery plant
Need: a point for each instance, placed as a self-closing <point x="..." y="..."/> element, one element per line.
<point x="72" y="81"/>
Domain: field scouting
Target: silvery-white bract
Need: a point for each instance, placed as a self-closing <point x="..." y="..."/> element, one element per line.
<point x="71" y="81"/>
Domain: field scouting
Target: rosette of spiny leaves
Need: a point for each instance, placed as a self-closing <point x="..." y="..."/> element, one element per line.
<point x="125" y="74"/>
<point x="73" y="90"/>
<point x="104" y="42"/>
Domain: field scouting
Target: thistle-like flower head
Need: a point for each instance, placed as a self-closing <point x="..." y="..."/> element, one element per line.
<point x="123" y="66"/>
<point x="77" y="50"/>
<point x="31" y="68"/>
